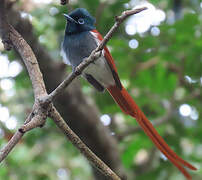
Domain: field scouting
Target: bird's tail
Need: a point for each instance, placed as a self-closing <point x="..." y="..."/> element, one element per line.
<point x="128" y="106"/>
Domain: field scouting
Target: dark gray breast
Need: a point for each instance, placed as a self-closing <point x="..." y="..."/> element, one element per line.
<point x="78" y="46"/>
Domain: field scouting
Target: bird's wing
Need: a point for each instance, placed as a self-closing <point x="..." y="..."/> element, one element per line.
<point x="108" y="58"/>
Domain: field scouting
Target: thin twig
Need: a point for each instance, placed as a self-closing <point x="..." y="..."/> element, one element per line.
<point x="18" y="135"/>
<point x="15" y="139"/>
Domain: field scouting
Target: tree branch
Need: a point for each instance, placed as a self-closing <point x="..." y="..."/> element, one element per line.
<point x="18" y="135"/>
<point x="30" y="61"/>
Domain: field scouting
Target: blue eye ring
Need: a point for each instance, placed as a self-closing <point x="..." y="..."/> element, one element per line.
<point x="81" y="21"/>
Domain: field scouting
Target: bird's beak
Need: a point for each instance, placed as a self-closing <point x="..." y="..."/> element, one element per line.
<point x="70" y="19"/>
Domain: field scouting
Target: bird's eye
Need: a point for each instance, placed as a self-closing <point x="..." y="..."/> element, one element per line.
<point x="81" y="21"/>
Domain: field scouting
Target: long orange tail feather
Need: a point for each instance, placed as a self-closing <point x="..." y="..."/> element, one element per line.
<point x="128" y="106"/>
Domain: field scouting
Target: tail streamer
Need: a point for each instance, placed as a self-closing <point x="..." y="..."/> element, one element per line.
<point x="128" y="106"/>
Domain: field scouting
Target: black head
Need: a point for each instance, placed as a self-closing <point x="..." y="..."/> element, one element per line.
<point x="79" y="21"/>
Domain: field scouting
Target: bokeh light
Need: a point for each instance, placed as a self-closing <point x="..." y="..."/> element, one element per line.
<point x="133" y="43"/>
<point x="142" y="22"/>
<point x="185" y="110"/>
<point x="4" y="114"/>
<point x="194" y="114"/>
<point x="14" y="69"/>
<point x="62" y="174"/>
<point x="130" y="29"/>
<point x="105" y="119"/>
<point x="53" y="11"/>
<point x="155" y="31"/>
<point x="4" y="62"/>
<point x="6" y="84"/>
<point x="11" y="123"/>
<point x="9" y="69"/>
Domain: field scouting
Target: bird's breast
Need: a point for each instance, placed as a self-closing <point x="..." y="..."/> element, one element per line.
<point x="77" y="47"/>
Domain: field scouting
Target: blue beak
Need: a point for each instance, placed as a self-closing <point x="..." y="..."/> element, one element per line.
<point x="70" y="19"/>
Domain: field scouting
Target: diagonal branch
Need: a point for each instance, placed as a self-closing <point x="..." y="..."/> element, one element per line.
<point x="18" y="135"/>
<point x="76" y="141"/>
<point x="30" y="61"/>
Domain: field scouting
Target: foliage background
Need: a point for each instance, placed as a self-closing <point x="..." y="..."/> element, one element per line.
<point x="163" y="71"/>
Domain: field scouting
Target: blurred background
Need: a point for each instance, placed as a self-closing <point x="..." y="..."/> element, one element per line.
<point x="159" y="60"/>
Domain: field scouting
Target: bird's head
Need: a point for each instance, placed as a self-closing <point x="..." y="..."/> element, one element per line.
<point x="79" y="21"/>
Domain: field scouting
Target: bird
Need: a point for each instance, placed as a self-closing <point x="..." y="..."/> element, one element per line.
<point x="80" y="39"/>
